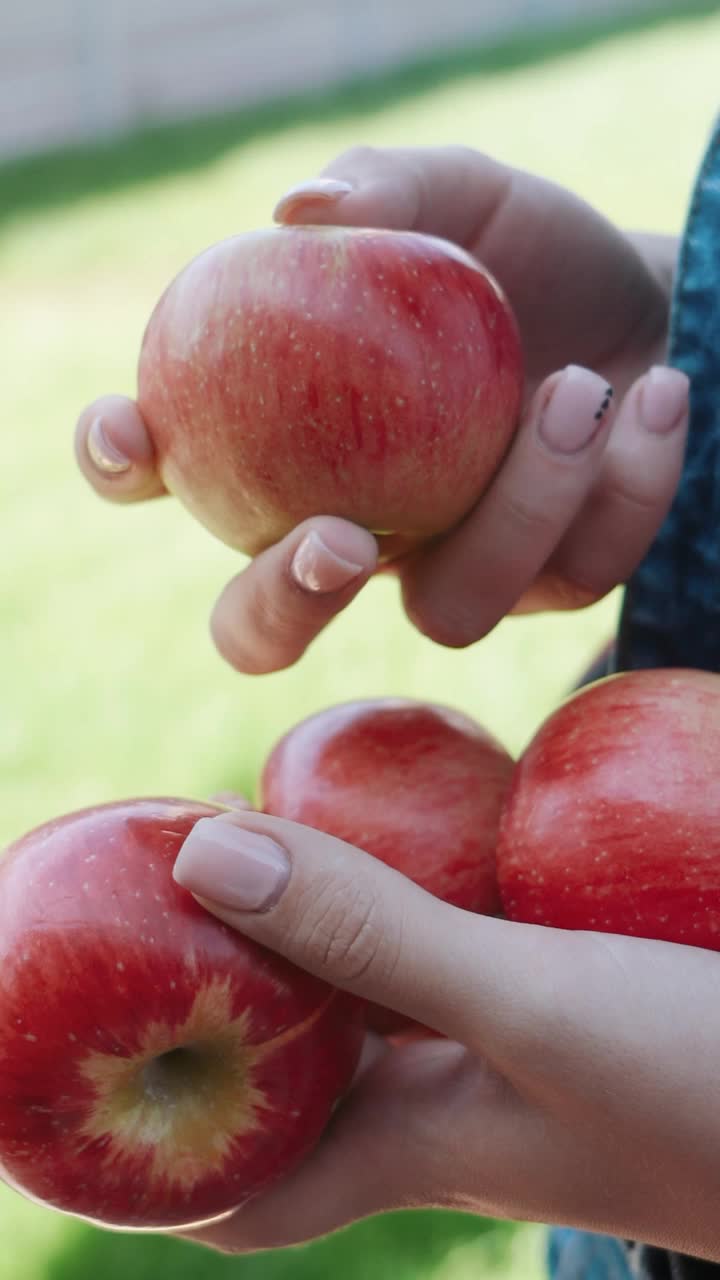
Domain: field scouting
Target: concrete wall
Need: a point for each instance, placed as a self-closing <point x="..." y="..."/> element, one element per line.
<point x="74" y="69"/>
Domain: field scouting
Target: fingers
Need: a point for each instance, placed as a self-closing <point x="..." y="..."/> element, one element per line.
<point x="457" y="591"/>
<point x="571" y="513"/>
<point x="497" y="988"/>
<point x="354" y="922"/>
<point x="600" y="1096"/>
<point x="114" y="451"/>
<point x="443" y="191"/>
<point x="269" y="613"/>
<point x="639" y="475"/>
<point x="385" y="1148"/>
<point x="530" y="233"/>
<point x="335" y="911"/>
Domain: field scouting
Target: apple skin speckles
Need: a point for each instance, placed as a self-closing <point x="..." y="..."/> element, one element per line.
<point x="284" y="374"/>
<point x="419" y="786"/>
<point x="156" y="1068"/>
<point x="613" y="818"/>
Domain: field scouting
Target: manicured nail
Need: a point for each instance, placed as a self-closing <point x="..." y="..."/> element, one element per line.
<point x="231" y="866"/>
<point x="103" y="452"/>
<point x="663" y="399"/>
<point x="318" y="569"/>
<point x="575" y="411"/>
<point x="325" y="189"/>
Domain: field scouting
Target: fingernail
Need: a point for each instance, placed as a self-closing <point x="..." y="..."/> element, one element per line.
<point x="231" y="866"/>
<point x="326" y="189"/>
<point x="575" y="411"/>
<point x="103" y="452"/>
<point x="318" y="569"/>
<point x="663" y="399"/>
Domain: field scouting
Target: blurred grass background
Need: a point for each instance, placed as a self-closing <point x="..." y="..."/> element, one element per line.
<point x="110" y="684"/>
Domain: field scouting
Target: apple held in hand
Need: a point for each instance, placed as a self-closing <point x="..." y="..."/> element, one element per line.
<point x="419" y="786"/>
<point x="613" y="818"/>
<point x="297" y="371"/>
<point x="156" y="1069"/>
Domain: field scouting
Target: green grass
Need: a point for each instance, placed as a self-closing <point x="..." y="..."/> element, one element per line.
<point x="38" y="1245"/>
<point x="111" y="686"/>
<point x="190" y="145"/>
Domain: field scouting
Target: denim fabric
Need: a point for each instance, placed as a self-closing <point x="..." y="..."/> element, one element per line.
<point x="577" y="1255"/>
<point x="671" y="610"/>
<point x="671" y="616"/>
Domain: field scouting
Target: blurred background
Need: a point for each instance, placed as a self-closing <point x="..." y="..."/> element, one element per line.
<point x="131" y="136"/>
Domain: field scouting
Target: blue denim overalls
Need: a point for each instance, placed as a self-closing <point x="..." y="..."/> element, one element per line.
<point x="671" y="611"/>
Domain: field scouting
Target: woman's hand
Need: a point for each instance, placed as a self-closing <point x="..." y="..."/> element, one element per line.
<point x="579" y="1083"/>
<point x="589" y="478"/>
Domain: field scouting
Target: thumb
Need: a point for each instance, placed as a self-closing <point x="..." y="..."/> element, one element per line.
<point x="114" y="451"/>
<point x="444" y="191"/>
<point x="336" y="912"/>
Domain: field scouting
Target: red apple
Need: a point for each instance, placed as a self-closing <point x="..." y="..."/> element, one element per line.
<point x="298" y="371"/>
<point x="156" y="1069"/>
<point x="419" y="786"/>
<point x="613" y="818"/>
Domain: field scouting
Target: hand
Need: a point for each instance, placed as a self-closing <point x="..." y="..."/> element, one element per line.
<point x="588" y="481"/>
<point x="578" y="1086"/>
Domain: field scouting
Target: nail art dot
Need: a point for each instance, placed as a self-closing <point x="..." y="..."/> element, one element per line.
<point x="605" y="405"/>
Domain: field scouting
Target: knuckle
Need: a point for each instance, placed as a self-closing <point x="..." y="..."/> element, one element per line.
<point x="451" y="633"/>
<point x="339" y="931"/>
<point x="270" y="618"/>
<point x="227" y="1248"/>
<point x="639" y="495"/>
<point x="271" y="633"/>
<point x="524" y="513"/>
<point x="565" y="591"/>
<point x="627" y="481"/>
<point x="449" y="625"/>
<point x="359" y="156"/>
<point x="463" y="152"/>
<point x="239" y="647"/>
